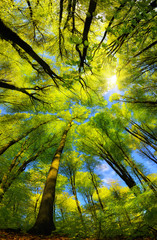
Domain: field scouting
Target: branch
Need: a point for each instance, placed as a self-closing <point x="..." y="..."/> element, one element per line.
<point x="4" y="84"/>
<point x="110" y="23"/>
<point x="7" y="34"/>
<point x="88" y="21"/>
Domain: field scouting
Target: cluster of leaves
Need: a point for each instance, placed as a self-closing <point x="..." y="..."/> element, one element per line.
<point x="56" y="57"/>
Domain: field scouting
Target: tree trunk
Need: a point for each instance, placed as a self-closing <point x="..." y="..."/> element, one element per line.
<point x="96" y="188"/>
<point x="78" y="205"/>
<point x="121" y="171"/>
<point x="145" y="179"/>
<point x="72" y="182"/>
<point x="117" y="166"/>
<point x="44" y="224"/>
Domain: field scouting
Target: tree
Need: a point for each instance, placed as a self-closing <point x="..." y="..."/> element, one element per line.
<point x="71" y="163"/>
<point x="90" y="165"/>
<point x="57" y="58"/>
<point x="86" y="187"/>
<point x="44" y="223"/>
<point x="17" y="167"/>
<point x="97" y="145"/>
<point x="146" y="137"/>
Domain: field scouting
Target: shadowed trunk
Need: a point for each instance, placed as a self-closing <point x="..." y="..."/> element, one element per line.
<point x="44" y="224"/>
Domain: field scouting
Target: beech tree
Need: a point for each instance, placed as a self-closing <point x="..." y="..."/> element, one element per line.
<point x="44" y="223"/>
<point x="58" y="60"/>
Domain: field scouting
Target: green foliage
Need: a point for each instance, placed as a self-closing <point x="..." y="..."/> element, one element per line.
<point x="57" y="58"/>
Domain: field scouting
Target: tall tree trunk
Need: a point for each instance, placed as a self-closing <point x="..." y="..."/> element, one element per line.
<point x="44" y="224"/>
<point x="98" y="225"/>
<point x="117" y="166"/>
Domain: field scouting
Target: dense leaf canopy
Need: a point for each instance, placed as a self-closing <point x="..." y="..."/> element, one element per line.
<point x="78" y="95"/>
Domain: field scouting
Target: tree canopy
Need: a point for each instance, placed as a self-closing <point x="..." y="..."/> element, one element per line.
<point x="60" y="133"/>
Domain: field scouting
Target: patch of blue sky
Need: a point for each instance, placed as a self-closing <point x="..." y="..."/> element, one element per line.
<point x="149" y="166"/>
<point x="108" y="175"/>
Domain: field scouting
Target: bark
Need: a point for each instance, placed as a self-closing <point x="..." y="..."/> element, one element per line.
<point x="73" y="16"/>
<point x="36" y="205"/>
<point x="147" y="103"/>
<point x="69" y="13"/>
<point x="15" y="140"/>
<point x="60" y="32"/>
<point x="44" y="224"/>
<point x="118" y="166"/>
<point x="135" y="168"/>
<point x="114" y="164"/>
<point x="122" y="172"/>
<point x="32" y="20"/>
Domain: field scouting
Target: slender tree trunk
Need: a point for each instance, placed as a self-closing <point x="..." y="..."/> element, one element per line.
<point x="117" y="166"/>
<point x="96" y="189"/>
<point x="145" y="179"/>
<point x="36" y="204"/>
<point x="62" y="214"/>
<point x="77" y="201"/>
<point x="44" y="224"/>
<point x="98" y="225"/>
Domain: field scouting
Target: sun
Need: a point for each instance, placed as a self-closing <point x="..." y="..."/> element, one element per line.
<point x="111" y="84"/>
<point x="112" y="81"/>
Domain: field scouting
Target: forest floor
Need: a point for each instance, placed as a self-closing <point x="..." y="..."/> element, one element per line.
<point x="9" y="235"/>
